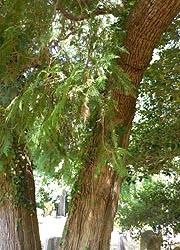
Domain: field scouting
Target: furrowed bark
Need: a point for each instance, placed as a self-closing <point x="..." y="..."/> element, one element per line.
<point x="18" y="219"/>
<point x="147" y="21"/>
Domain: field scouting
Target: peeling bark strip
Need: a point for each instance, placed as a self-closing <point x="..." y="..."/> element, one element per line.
<point x="90" y="220"/>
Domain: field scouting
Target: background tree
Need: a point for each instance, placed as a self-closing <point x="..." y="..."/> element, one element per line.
<point x="151" y="203"/>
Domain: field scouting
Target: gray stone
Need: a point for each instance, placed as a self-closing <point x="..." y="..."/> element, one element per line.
<point x="123" y="243"/>
<point x="53" y="243"/>
<point x="150" y="241"/>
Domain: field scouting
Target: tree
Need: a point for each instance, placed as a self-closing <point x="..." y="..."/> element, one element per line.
<point x="89" y="72"/>
<point x="93" y="208"/>
<point x="17" y="200"/>
<point x="20" y="40"/>
<point x="153" y="203"/>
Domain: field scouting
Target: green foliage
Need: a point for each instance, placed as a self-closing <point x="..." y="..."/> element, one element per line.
<point x="153" y="202"/>
<point x="24" y="25"/>
<point x="48" y="112"/>
<point x="24" y="29"/>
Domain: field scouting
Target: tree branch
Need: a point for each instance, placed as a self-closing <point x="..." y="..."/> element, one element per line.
<point x="146" y="23"/>
<point x="96" y="12"/>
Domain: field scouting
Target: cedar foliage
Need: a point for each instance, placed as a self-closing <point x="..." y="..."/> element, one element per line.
<point x="59" y="66"/>
<point x="24" y="27"/>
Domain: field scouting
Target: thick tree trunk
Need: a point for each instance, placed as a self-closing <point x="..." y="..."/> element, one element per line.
<point x="90" y="220"/>
<point x="18" y="219"/>
<point x="92" y="210"/>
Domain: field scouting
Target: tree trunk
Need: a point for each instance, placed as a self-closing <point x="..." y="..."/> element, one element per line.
<point x="93" y="206"/>
<point x="18" y="219"/>
<point x="92" y="211"/>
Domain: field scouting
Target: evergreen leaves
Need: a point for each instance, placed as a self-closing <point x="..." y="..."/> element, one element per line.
<point x="151" y="203"/>
<point x="60" y="78"/>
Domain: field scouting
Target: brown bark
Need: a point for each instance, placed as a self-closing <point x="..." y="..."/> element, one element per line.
<point x="147" y="21"/>
<point x="92" y="212"/>
<point x="18" y="218"/>
<point x="94" y="205"/>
